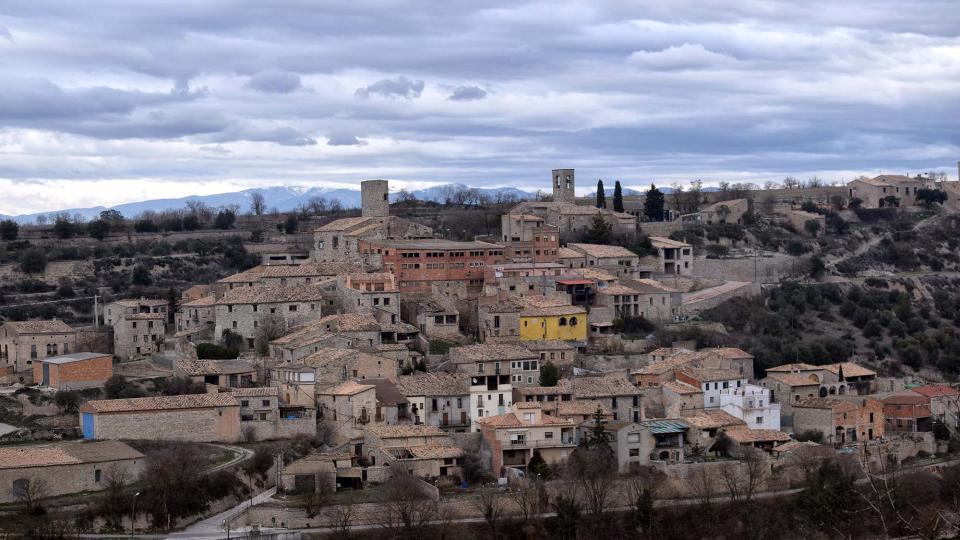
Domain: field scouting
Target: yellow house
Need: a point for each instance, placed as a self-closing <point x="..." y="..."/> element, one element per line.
<point x="567" y="323"/>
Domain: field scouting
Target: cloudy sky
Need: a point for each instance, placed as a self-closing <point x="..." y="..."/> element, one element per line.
<point x="110" y="101"/>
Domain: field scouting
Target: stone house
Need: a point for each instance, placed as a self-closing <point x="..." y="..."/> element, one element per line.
<point x="513" y="437"/>
<point x="527" y="237"/>
<point x="65" y="468"/>
<point x="731" y="211"/>
<point x="678" y="397"/>
<point x="673" y="257"/>
<point x="297" y="381"/>
<point x="136" y="335"/>
<point x="558" y="352"/>
<point x="546" y="319"/>
<point x="875" y="192"/>
<point x="841" y="421"/>
<point x="323" y="472"/>
<point x="668" y="440"/>
<point x="643" y="298"/>
<point x="195" y="319"/>
<point x="258" y="312"/>
<point x="374" y="293"/>
<point x="491" y="369"/>
<point x="23" y="342"/>
<point x="191" y="417"/>
<point x="762" y="439"/>
<point x="347" y="409"/>
<point x="438" y="399"/>
<point x="580" y="410"/>
<point x="263" y="417"/>
<point x="220" y="373"/>
<point x="73" y="371"/>
<point x="421" y="450"/>
<point x="614" y="391"/>
<point x="563" y="391"/>
<point x="345" y="330"/>
<point x="617" y="260"/>
<point x="944" y="402"/>
<point x="498" y="321"/>
<point x="907" y="412"/>
<point x="340" y="240"/>
<point x="117" y="310"/>
<point x="704" y="427"/>
<point x="433" y="319"/>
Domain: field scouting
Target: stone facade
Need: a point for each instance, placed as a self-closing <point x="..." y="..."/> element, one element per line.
<point x="347" y="408"/>
<point x="199" y="418"/>
<point x="21" y="343"/>
<point x="66" y="468"/>
<point x="873" y="192"/>
<point x="375" y="198"/>
<point x="564" y="185"/>
<point x="138" y="335"/>
<point x="248" y="312"/>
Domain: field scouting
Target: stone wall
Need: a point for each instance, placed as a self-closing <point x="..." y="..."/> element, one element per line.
<point x="65" y="479"/>
<point x="769" y="268"/>
<point x="660" y="228"/>
<point x="199" y="425"/>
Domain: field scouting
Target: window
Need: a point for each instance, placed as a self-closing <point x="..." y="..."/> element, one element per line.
<point x="563" y="321"/>
<point x="245" y="403"/>
<point x="573" y="321"/>
<point x="293" y="308"/>
<point x="634" y="452"/>
<point x="265" y="403"/>
<point x="97" y="473"/>
<point x="548" y="435"/>
<point x="759" y="420"/>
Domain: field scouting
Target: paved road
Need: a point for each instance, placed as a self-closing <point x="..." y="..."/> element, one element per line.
<point x="239" y="455"/>
<point x="212" y="526"/>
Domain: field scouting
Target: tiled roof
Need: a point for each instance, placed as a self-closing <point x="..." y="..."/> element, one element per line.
<point x="681" y="388"/>
<point x="216" y="367"/>
<point x="136" y="302"/>
<point x="553" y="311"/>
<point x="648" y="286"/>
<point x="308" y="269"/>
<point x="936" y="390"/>
<point x="510" y="420"/>
<point x="490" y="352"/>
<point x="205" y="301"/>
<point x="730" y="352"/>
<point x="670" y="363"/>
<point x="603" y="386"/>
<point x="710" y="419"/>
<point x="19" y="457"/>
<point x="567" y="253"/>
<point x="343" y="224"/>
<point x="548" y="345"/>
<point x="596" y="274"/>
<point x="384" y="431"/>
<point x="39" y="327"/>
<point x="662" y="242"/>
<point x="435" y="451"/>
<point x="578" y="407"/>
<point x="264" y="391"/>
<point x="326" y="356"/>
<point x="746" y="435"/>
<point x="837" y="405"/>
<point x="271" y="295"/>
<point x="603" y="251"/>
<point x="850" y="370"/>
<point x="159" y="403"/>
<point x="347" y="388"/>
<point x="309" y="463"/>
<point x="789" y="368"/>
<point x="437" y="383"/>
<point x="668" y="351"/>
<point x="528" y="405"/>
<point x="705" y="375"/>
<point x="563" y="387"/>
<point x="793" y="446"/>
<point x="793" y="379"/>
<point x="617" y="289"/>
<point x="246" y="276"/>
<point x="905" y="397"/>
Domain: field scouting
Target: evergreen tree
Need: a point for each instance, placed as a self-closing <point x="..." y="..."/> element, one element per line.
<point x="600" y="231"/>
<point x="549" y="374"/>
<point x="601" y="196"/>
<point x="617" y="197"/>
<point x="653" y="204"/>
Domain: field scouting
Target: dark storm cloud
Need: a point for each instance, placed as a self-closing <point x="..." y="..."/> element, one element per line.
<point x="298" y="91"/>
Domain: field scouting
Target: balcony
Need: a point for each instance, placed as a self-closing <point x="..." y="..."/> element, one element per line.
<point x="542" y="443"/>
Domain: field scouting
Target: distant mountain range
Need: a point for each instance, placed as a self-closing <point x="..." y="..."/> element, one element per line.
<point x="283" y="198"/>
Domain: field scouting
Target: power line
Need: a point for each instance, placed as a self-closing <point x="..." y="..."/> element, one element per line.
<point x="3" y="306"/>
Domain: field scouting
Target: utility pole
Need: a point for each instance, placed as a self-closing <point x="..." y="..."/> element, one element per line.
<point x="96" y="312"/>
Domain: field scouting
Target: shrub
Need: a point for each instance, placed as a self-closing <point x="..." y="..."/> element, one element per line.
<point x="716" y="251"/>
<point x="212" y="351"/>
<point x="67" y="401"/>
<point x="33" y="261"/>
<point x="9" y="230"/>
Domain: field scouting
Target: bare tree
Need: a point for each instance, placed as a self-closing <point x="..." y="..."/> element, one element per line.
<point x="790" y="183"/>
<point x="594" y="469"/>
<point x="258" y="204"/>
<point x="405" y="195"/>
<point x="744" y="477"/>
<point x="342" y="516"/>
<point x="526" y="495"/>
<point x="30" y="492"/>
<point x="490" y="503"/>
<point x="314" y="500"/>
<point x="406" y="509"/>
<point x="642" y="490"/>
<point x="269" y="328"/>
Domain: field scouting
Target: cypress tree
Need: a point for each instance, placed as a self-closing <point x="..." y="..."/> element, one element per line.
<point x="653" y="204"/>
<point x="617" y="197"/>
<point x="601" y="196"/>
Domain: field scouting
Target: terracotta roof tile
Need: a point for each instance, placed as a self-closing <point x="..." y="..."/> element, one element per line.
<point x="159" y="403"/>
<point x="271" y="295"/>
<point x="39" y="327"/>
<point x="384" y="431"/>
<point x="746" y="435"/>
<point x="435" y="383"/>
<point x="602" y="251"/>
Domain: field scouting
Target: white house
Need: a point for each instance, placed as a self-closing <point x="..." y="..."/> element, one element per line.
<point x="713" y="382"/>
<point x="751" y="404"/>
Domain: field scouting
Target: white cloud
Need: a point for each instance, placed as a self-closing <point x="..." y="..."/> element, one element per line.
<point x="685" y="56"/>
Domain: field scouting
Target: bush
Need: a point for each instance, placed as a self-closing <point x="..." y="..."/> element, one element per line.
<point x="717" y="251"/>
<point x="118" y="387"/>
<point x="225" y="219"/>
<point x="212" y="351"/>
<point x="33" y="261"/>
<point x="9" y="230"/>
<point x="67" y="401"/>
<point x="141" y="276"/>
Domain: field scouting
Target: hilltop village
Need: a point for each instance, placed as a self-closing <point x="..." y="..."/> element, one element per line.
<point x="394" y="373"/>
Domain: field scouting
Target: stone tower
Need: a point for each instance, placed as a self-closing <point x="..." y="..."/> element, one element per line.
<point x="374" y="198"/>
<point x="563" y="185"/>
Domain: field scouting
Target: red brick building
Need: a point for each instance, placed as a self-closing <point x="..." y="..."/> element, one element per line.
<point x="73" y="371"/>
<point x="420" y="263"/>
